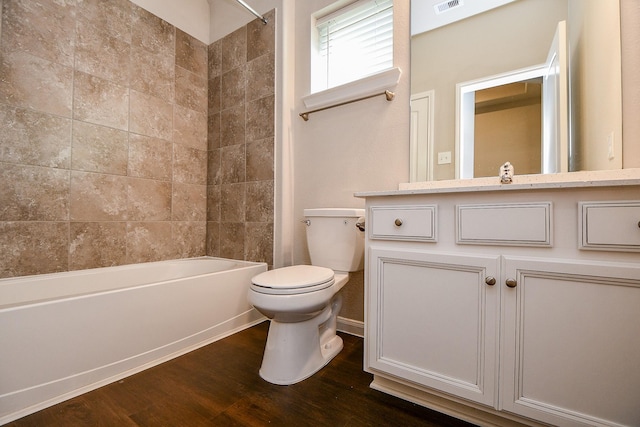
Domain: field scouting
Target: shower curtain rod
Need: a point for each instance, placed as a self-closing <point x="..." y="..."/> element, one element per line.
<point x="250" y="9"/>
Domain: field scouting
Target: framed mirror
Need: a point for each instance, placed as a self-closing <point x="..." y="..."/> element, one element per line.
<point x="514" y="35"/>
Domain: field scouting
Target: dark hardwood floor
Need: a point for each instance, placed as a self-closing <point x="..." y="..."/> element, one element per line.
<point x="219" y="385"/>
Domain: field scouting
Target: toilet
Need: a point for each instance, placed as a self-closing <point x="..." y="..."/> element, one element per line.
<point x="302" y="301"/>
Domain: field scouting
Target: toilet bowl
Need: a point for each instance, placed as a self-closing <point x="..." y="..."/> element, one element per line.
<point x="302" y="301"/>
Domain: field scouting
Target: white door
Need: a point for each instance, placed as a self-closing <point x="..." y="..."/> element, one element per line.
<point x="555" y="105"/>
<point x="421" y="146"/>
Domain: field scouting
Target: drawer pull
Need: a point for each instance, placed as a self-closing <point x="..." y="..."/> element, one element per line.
<point x="511" y="283"/>
<point x="490" y="280"/>
<point x="398" y="222"/>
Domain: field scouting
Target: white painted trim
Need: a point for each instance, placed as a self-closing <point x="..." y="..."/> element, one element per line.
<point x="350" y="326"/>
<point x="354" y="90"/>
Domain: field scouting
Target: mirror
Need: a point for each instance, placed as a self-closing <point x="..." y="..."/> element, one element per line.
<point x="514" y="35"/>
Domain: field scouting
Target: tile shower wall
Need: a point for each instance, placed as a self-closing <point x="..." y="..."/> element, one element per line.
<point x="240" y="180"/>
<point x="103" y="147"/>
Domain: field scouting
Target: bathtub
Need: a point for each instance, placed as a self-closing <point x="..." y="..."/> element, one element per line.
<point x="64" y="334"/>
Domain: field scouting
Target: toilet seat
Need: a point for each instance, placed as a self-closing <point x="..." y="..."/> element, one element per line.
<point x="296" y="279"/>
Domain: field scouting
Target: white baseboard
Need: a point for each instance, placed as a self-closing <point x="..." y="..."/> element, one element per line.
<point x="350" y="326"/>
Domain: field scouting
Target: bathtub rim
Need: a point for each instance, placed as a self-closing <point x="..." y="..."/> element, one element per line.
<point x="40" y="279"/>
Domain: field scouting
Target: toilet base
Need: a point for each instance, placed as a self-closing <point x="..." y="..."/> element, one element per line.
<point x="296" y="351"/>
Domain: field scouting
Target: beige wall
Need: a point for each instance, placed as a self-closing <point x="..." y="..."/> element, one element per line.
<point x="594" y="36"/>
<point x="509" y="134"/>
<point x="357" y="147"/>
<point x="630" y="23"/>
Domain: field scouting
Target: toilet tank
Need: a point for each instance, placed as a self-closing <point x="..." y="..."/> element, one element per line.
<point x="333" y="239"/>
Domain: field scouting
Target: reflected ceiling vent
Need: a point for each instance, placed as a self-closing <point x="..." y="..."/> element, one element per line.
<point x="446" y="6"/>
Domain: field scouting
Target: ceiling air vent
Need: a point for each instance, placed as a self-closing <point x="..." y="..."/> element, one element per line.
<point x="446" y="6"/>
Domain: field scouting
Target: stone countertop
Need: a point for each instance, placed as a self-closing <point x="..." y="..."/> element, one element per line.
<point x="611" y="178"/>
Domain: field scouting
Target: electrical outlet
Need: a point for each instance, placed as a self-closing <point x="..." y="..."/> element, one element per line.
<point x="444" y="157"/>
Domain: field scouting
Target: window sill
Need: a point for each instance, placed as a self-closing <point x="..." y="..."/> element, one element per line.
<point x="366" y="86"/>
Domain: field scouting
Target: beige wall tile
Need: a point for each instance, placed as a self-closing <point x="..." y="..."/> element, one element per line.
<point x="213" y="167"/>
<point x="100" y="101"/>
<point x="111" y="18"/>
<point x="33" y="248"/>
<point x="234" y="50"/>
<point x="98" y="197"/>
<point x="260" y="37"/>
<point x="102" y="55"/>
<point x="232" y="126"/>
<point x="260" y="160"/>
<point x="97" y="244"/>
<point x="214" y="95"/>
<point x="99" y="149"/>
<point x="23" y="73"/>
<point x="191" y="54"/>
<point x="34" y="138"/>
<point x="214" y="130"/>
<point x="260" y="77"/>
<point x="259" y="242"/>
<point x="232" y="202"/>
<point x="31" y="193"/>
<point x="189" y="165"/>
<point x="259" y="201"/>
<point x="153" y="74"/>
<point x="213" y="239"/>
<point x="189" y="202"/>
<point x="232" y="164"/>
<point x="138" y="172"/>
<point x="232" y="240"/>
<point x="260" y="118"/>
<point x="151" y="116"/>
<point x="214" y="196"/>
<point x="43" y="28"/>
<point x="150" y="157"/>
<point x="215" y="59"/>
<point x="232" y="87"/>
<point x="189" y="127"/>
<point x="149" y="241"/>
<point x="187" y="238"/>
<point x="191" y="90"/>
<point x="148" y="200"/>
<point x="152" y="33"/>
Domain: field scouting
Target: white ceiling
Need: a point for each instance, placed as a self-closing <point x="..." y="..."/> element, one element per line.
<point x="424" y="17"/>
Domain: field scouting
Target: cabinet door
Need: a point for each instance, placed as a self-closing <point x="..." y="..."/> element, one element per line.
<point x="432" y="320"/>
<point x="571" y="342"/>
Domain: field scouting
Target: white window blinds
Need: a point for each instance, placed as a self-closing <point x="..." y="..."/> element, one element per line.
<point x="355" y="42"/>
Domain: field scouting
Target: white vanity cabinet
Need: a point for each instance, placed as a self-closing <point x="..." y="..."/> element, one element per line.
<point x="501" y="315"/>
<point x="435" y="321"/>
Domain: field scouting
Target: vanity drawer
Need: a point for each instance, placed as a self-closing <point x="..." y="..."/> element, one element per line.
<point x="404" y="223"/>
<point x="613" y="226"/>
<point x="513" y="224"/>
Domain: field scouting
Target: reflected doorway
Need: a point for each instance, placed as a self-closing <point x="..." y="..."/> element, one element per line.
<point x="508" y="127"/>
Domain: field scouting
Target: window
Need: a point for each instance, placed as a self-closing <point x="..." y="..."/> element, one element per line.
<point x="352" y="43"/>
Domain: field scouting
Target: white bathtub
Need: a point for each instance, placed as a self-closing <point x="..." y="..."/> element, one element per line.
<point x="64" y="334"/>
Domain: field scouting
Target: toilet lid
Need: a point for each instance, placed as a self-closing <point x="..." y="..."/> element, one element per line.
<point x="294" y="279"/>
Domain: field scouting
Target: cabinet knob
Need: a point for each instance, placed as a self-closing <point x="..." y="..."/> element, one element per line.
<point x="490" y="280"/>
<point x="511" y="283"/>
<point x="398" y="222"/>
